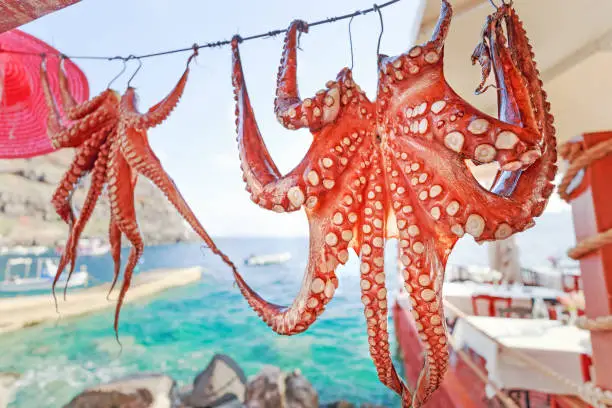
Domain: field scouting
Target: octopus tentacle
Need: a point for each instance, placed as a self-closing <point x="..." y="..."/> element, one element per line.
<point x="68" y="102"/>
<point x="373" y="289"/>
<point x="423" y="258"/>
<point x="442" y="26"/>
<point x="463" y="129"/>
<point x="54" y="123"/>
<point x="121" y="196"/>
<point x="98" y="178"/>
<point x="114" y="234"/>
<point x="538" y="183"/>
<point x="264" y="181"/>
<point x="317" y="289"/>
<point x="328" y="247"/>
<point x="291" y="111"/>
<point x="157" y="113"/>
<point x="82" y="164"/>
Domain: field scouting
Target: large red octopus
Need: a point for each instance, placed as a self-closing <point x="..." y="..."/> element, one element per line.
<point x="110" y="137"/>
<point x="395" y="168"/>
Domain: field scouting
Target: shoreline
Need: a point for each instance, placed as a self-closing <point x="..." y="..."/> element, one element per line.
<point x="25" y="311"/>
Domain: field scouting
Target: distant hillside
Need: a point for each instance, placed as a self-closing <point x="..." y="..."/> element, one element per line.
<point x="28" y="218"/>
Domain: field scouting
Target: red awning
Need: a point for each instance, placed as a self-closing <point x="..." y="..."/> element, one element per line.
<point x="23" y="111"/>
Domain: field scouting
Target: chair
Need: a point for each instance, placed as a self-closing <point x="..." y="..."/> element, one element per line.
<point x="574" y="286"/>
<point x="552" y="312"/>
<point x="491" y="302"/>
<point x="586" y="362"/>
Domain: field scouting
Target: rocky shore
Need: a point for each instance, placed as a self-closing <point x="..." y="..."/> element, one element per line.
<point x="28" y="218"/>
<point x="221" y="385"/>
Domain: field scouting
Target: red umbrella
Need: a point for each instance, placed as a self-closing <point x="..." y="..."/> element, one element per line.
<point x="23" y="111"/>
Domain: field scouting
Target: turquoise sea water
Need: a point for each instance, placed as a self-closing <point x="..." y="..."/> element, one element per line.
<point x="179" y="331"/>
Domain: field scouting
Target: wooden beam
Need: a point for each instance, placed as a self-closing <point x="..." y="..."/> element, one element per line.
<point x="14" y="13"/>
<point x="592" y="214"/>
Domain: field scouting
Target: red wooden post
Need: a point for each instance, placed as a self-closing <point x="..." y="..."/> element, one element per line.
<point x="14" y="13"/>
<point x="592" y="212"/>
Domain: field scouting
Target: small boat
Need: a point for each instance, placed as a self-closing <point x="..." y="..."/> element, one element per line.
<point x="90" y="247"/>
<point x="23" y="250"/>
<point x="269" y="259"/>
<point x="45" y="272"/>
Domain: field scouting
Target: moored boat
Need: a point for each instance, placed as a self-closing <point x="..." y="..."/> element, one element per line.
<point x="43" y="279"/>
<point x="268" y="259"/>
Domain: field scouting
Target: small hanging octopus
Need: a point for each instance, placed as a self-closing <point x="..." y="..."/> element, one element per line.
<point x="110" y="137"/>
<point x="395" y="168"/>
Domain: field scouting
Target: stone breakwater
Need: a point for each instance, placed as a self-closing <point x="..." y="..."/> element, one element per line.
<point x="20" y="312"/>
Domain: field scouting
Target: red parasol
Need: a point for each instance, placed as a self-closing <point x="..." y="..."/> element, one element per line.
<point x="23" y="111"/>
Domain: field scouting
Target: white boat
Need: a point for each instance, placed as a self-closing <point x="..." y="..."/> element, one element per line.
<point x="269" y="259"/>
<point x="45" y="272"/>
<point x="23" y="250"/>
<point x="94" y="247"/>
<point x="91" y="247"/>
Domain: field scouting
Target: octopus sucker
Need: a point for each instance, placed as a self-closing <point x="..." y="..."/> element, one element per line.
<point x="409" y="170"/>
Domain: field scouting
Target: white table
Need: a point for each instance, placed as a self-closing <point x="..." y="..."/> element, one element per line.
<point x="553" y="278"/>
<point x="553" y="344"/>
<point x="460" y="294"/>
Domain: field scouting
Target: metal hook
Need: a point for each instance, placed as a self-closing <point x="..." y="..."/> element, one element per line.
<point x="137" y="69"/>
<point x="299" y="38"/>
<point x="195" y="47"/>
<point x="509" y="3"/>
<point x="351" y="42"/>
<point x="120" y="73"/>
<point x="382" y="28"/>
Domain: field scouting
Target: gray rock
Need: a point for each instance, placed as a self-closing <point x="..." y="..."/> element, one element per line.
<point x="339" y="404"/>
<point x="141" y="398"/>
<point x="221" y="384"/>
<point x="272" y="388"/>
<point x="139" y="391"/>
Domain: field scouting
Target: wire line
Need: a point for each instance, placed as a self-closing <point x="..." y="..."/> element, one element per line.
<point x="213" y="44"/>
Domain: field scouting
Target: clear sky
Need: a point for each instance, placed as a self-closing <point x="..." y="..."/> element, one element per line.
<point x="197" y="143"/>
